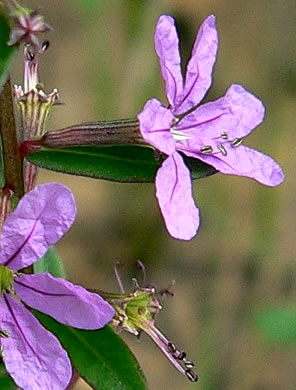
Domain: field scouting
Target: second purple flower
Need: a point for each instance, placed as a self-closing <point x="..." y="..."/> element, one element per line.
<point x="32" y="355"/>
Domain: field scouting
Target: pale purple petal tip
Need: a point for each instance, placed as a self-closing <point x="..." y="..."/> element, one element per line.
<point x="246" y="107"/>
<point x="155" y="122"/>
<point x="167" y="48"/>
<point x="33" y="356"/>
<point x="68" y="303"/>
<point x="174" y="193"/>
<point x="200" y="66"/>
<point x="244" y="161"/>
<point x="41" y="218"/>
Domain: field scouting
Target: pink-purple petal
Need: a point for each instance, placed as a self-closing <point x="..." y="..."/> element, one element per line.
<point x="244" y="161"/>
<point x="33" y="356"/>
<point x="200" y="67"/>
<point x="155" y="122"/>
<point x="167" y="48"/>
<point x="41" y="218"/>
<point x="67" y="303"/>
<point x="174" y="193"/>
<point x="237" y="113"/>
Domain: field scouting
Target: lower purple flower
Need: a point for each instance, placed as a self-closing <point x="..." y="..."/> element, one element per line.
<point x="212" y="132"/>
<point x="33" y="356"/>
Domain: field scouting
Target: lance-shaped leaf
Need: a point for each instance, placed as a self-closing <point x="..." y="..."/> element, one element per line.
<point x="6" y="383"/>
<point x="122" y="163"/>
<point x="51" y="263"/>
<point x="100" y="356"/>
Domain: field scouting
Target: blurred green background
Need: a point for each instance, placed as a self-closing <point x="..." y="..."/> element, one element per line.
<point x="243" y="260"/>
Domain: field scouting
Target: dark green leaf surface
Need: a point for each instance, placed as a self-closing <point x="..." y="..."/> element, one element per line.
<point x="99" y="356"/>
<point x="131" y="164"/>
<point x="6" y="52"/>
<point x="278" y="325"/>
<point x="50" y="262"/>
<point x="6" y="383"/>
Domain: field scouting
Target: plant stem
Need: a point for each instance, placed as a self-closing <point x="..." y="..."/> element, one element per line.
<point x="12" y="160"/>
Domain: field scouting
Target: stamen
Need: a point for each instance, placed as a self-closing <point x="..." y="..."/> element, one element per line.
<point x="45" y="46"/>
<point x="180" y="355"/>
<point x="172" y="353"/>
<point x="142" y="268"/>
<point x="222" y="149"/>
<point x="191" y="375"/>
<point x="117" y="276"/>
<point x="39" y="86"/>
<point x="224" y="135"/>
<point x="172" y="348"/>
<point x="136" y="283"/>
<point x="4" y="334"/>
<point x="2" y="352"/>
<point x="237" y="142"/>
<point x="206" y="149"/>
<point x="189" y="364"/>
<point x="167" y="292"/>
<point x="29" y="54"/>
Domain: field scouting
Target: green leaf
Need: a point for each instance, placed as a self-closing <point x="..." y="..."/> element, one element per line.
<point x="131" y="164"/>
<point x="278" y="324"/>
<point x="50" y="262"/>
<point x="99" y="356"/>
<point x="6" y="383"/>
<point x="6" y="52"/>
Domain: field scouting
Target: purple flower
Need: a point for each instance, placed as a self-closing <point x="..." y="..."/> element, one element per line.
<point x="28" y="25"/>
<point x="33" y="356"/>
<point x="212" y="132"/>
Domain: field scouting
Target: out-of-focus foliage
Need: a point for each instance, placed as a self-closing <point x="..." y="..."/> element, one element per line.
<point x="88" y="4"/>
<point x="278" y="325"/>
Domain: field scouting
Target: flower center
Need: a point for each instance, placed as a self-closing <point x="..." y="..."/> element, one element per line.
<point x="134" y="310"/>
<point x="6" y="279"/>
